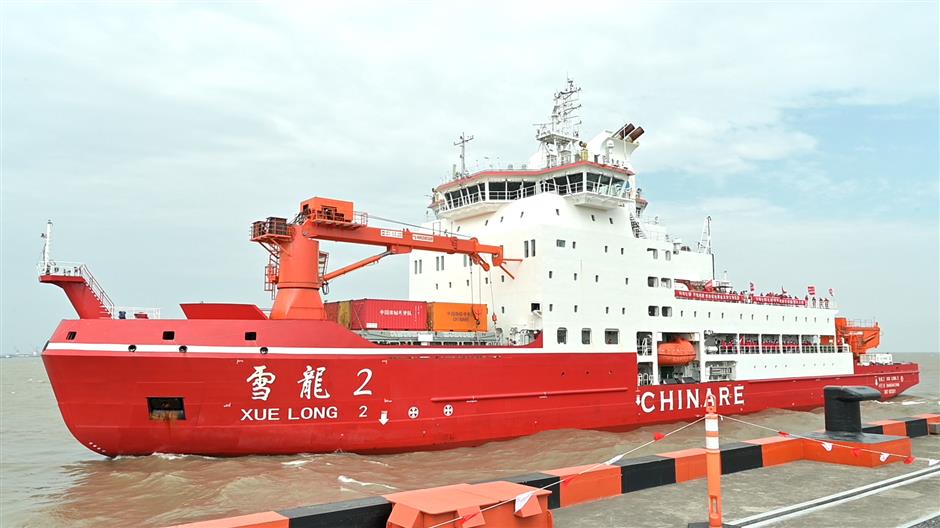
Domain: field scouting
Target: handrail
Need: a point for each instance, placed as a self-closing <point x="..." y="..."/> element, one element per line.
<point x="604" y="189"/>
<point x="78" y="269"/>
<point x="769" y="300"/>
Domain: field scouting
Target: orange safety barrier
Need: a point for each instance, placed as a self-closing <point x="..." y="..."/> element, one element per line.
<point x="931" y="418"/>
<point x="596" y="483"/>
<point x="777" y="450"/>
<point x="856" y="453"/>
<point x="891" y="427"/>
<point x="690" y="463"/>
<point x="255" y="520"/>
<point x="463" y="504"/>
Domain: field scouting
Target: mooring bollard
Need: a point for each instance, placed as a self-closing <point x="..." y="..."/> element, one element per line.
<point x="712" y="466"/>
<point x="843" y="415"/>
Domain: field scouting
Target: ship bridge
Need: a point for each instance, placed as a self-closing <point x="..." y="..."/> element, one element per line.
<point x="594" y="173"/>
<point x="583" y="183"/>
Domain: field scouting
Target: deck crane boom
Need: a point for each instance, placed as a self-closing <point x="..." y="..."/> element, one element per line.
<point x="297" y="269"/>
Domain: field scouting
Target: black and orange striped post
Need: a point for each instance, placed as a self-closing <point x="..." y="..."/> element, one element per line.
<point x="712" y="466"/>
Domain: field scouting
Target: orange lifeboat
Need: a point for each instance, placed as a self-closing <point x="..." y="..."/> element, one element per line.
<point x="676" y="352"/>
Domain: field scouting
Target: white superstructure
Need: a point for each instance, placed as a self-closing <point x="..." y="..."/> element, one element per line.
<point x="595" y="274"/>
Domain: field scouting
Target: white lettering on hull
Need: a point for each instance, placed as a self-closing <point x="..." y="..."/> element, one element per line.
<point x="273" y="414"/>
<point x="685" y="399"/>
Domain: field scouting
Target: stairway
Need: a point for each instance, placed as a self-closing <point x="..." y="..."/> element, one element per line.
<point x="84" y="292"/>
<point x="637" y="230"/>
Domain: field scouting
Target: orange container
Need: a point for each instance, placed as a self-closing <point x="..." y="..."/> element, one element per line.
<point x="457" y="317"/>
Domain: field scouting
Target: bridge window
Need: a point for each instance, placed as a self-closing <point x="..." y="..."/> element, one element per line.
<point x="559" y="243"/>
<point x="653" y="253"/>
<point x="665" y="283"/>
<point x="667" y="311"/>
<point x="653" y="311"/>
<point x="652" y="282"/>
<point x="668" y="255"/>
<point x="561" y="336"/>
<point x="585" y="336"/>
<point x="611" y="336"/>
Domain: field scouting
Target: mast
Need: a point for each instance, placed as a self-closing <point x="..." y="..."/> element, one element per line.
<point x="462" y="143"/>
<point x="559" y="138"/>
<point x="47" y="245"/>
<point x="705" y="242"/>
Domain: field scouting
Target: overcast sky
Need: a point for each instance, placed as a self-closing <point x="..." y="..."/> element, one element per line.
<point x="154" y="133"/>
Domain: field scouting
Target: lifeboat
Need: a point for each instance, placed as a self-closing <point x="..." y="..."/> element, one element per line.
<point x="676" y="352"/>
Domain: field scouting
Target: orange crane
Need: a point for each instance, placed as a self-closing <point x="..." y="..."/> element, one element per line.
<point x="296" y="270"/>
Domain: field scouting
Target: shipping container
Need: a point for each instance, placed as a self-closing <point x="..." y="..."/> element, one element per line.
<point x="457" y="317"/>
<point x="343" y="312"/>
<point x="385" y="314"/>
<point x="332" y="311"/>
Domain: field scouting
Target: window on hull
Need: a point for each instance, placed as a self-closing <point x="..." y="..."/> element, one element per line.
<point x="611" y="336"/>
<point x="585" y="336"/>
<point x="166" y="408"/>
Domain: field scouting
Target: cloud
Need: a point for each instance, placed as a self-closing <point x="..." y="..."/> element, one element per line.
<point x="153" y="133"/>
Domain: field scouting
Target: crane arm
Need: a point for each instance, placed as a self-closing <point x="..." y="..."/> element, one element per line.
<point x="298" y="273"/>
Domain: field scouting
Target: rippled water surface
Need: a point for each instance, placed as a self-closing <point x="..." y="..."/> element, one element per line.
<point x="47" y="478"/>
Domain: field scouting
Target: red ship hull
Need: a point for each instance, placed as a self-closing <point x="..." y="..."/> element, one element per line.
<point x="365" y="398"/>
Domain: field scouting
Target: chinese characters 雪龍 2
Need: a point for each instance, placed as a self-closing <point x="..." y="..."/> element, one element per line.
<point x="313" y="379"/>
<point x="260" y="380"/>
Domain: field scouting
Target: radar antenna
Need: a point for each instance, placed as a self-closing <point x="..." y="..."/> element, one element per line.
<point x="560" y="136"/>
